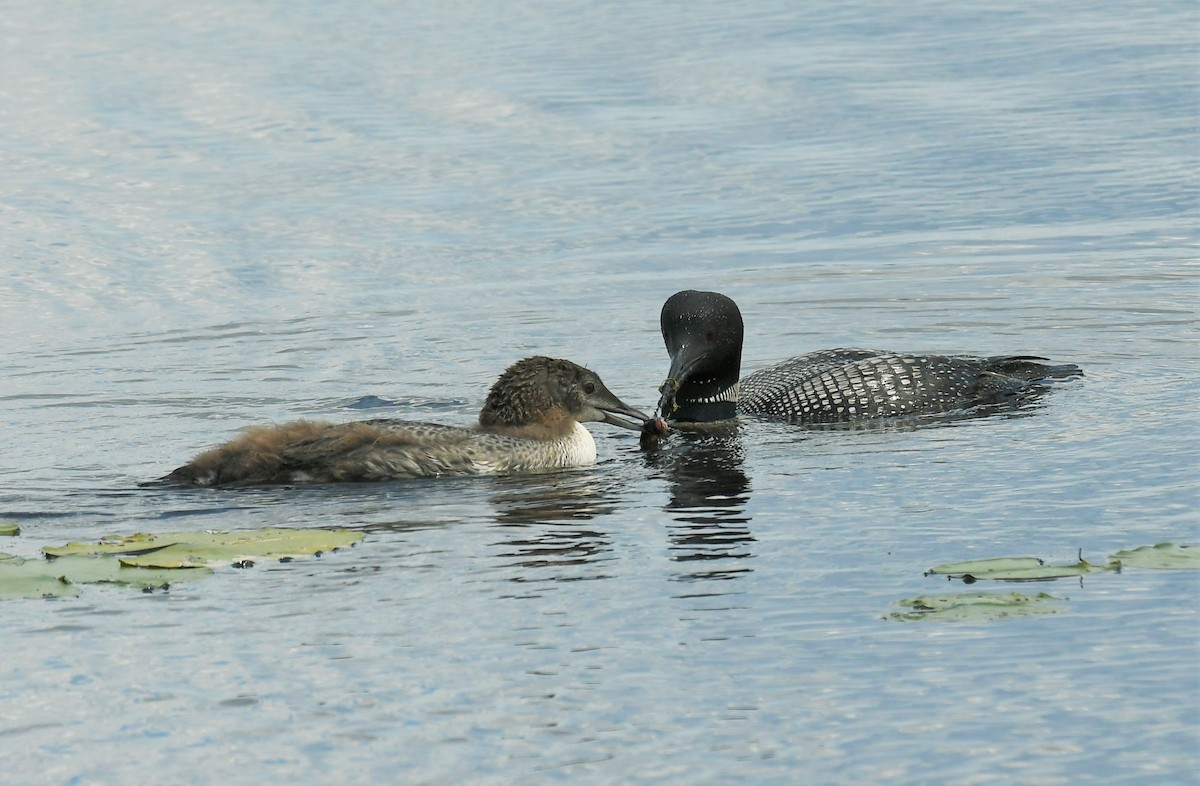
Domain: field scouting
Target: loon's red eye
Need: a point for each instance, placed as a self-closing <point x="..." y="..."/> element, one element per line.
<point x="589" y="388"/>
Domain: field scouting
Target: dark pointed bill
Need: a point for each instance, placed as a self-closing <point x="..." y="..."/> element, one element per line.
<point x="612" y="415"/>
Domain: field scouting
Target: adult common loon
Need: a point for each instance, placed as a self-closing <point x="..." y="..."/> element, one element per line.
<point x="532" y="420"/>
<point x="703" y="334"/>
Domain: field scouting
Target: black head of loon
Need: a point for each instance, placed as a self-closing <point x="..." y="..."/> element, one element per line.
<point x="703" y="334"/>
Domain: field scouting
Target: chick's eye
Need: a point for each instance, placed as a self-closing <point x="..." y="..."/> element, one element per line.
<point x="589" y="387"/>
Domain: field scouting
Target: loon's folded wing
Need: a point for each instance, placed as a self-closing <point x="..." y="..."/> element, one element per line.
<point x="850" y="384"/>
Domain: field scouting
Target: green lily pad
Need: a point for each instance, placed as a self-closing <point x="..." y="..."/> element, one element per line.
<point x="1164" y="556"/>
<point x="986" y="565"/>
<point x="1017" y="569"/>
<point x="152" y="561"/>
<point x="18" y="582"/>
<point x="36" y="578"/>
<point x="138" y="543"/>
<point x="975" y="607"/>
<point x="105" y="570"/>
<point x="193" y="549"/>
<point x="10" y="528"/>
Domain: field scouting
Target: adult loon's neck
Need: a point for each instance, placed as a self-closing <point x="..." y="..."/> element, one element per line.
<point x="704" y="412"/>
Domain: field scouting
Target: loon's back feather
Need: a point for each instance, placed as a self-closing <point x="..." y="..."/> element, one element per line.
<point x="315" y="451"/>
<point x="837" y="385"/>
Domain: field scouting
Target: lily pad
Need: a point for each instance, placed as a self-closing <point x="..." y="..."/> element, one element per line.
<point x="10" y="528"/>
<point x="1017" y="569"/>
<point x="194" y="549"/>
<point x="1164" y="556"/>
<point x="986" y="565"/>
<point x="19" y="582"/>
<point x="37" y="578"/>
<point x="975" y="607"/>
<point x="105" y="570"/>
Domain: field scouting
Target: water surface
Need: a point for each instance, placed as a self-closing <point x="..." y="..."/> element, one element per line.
<point x="217" y="214"/>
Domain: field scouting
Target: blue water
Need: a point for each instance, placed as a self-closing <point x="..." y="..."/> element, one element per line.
<point x="217" y="214"/>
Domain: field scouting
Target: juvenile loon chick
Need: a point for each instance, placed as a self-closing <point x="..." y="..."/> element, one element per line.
<point x="532" y="420"/>
<point x="703" y="334"/>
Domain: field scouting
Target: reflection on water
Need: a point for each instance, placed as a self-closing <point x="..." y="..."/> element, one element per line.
<point x="536" y="517"/>
<point x="567" y="496"/>
<point x="551" y="527"/>
<point x="709" y="490"/>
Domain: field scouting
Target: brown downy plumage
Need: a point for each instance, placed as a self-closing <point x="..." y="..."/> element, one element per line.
<point x="531" y="421"/>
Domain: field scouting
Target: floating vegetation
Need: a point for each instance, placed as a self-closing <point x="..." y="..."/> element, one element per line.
<point x="205" y="548"/>
<point x="9" y="528"/>
<point x="986" y="565"/>
<point x="1017" y="569"/>
<point x="17" y="581"/>
<point x="975" y="607"/>
<point x="1164" y="556"/>
<point x="981" y="606"/>
<point x="156" y="561"/>
<point x="39" y="578"/>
